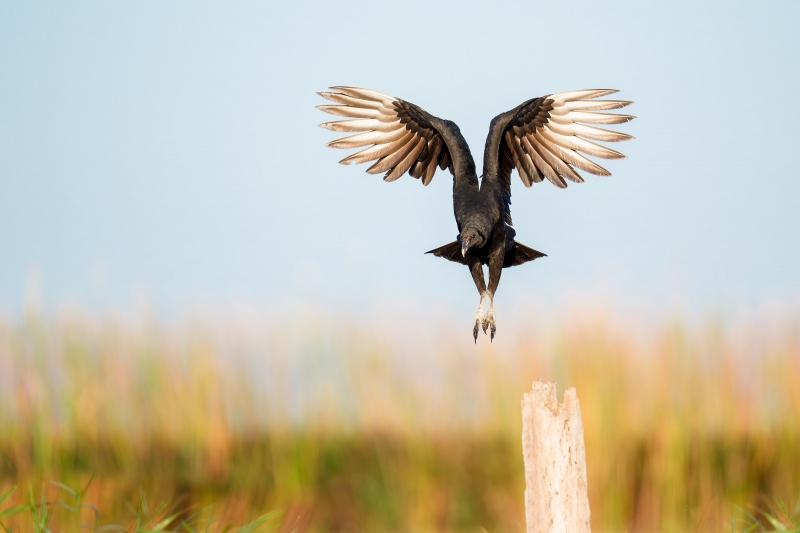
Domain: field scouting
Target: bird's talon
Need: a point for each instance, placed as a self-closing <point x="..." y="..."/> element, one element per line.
<point x="480" y="322"/>
<point x="489" y="323"/>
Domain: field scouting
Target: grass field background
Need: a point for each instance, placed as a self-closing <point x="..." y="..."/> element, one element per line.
<point x="342" y="425"/>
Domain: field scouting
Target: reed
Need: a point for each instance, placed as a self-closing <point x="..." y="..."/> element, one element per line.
<point x="346" y="427"/>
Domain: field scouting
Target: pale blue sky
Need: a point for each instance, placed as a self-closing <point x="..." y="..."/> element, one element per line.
<point x="171" y="149"/>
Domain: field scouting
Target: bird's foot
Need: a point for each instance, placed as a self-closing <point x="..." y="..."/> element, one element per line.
<point x="480" y="318"/>
<point x="480" y="322"/>
<point x="489" y="322"/>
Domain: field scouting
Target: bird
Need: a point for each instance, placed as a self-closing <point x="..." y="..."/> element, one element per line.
<point x="542" y="138"/>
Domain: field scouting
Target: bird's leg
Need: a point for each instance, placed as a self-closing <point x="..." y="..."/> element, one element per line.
<point x="480" y="318"/>
<point x="489" y="322"/>
<point x="476" y="269"/>
<point x="495" y="270"/>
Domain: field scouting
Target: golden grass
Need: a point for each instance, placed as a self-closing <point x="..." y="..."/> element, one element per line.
<point x="349" y="429"/>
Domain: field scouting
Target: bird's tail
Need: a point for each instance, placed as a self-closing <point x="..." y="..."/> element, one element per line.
<point x="451" y="252"/>
<point x="519" y="253"/>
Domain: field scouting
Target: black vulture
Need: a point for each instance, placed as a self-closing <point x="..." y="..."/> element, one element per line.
<point x="541" y="138"/>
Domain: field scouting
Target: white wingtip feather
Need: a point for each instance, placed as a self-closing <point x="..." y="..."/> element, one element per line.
<point x="368" y="124"/>
<point x="349" y="111"/>
<point x="581" y="94"/>
<point x="590" y="117"/>
<point x="365" y="93"/>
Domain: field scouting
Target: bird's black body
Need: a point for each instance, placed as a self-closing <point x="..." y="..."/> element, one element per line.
<point x="540" y="138"/>
<point x="483" y="206"/>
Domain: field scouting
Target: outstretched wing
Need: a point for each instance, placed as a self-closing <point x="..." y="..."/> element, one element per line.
<point x="544" y="137"/>
<point x="401" y="136"/>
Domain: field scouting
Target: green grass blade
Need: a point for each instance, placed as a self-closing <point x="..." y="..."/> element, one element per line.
<point x="69" y="508"/>
<point x="44" y="514"/>
<point x="88" y="483"/>
<point x="189" y="519"/>
<point x="8" y="493"/>
<point x="777" y="524"/>
<point x="164" y="523"/>
<point x="143" y="504"/>
<point x="93" y="508"/>
<point x="14" y="510"/>
<point x="208" y="522"/>
<point x="260" y="521"/>
<point x="754" y="522"/>
<point x="62" y="486"/>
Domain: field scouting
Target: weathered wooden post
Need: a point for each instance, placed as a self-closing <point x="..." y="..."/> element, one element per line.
<point x="556" y="497"/>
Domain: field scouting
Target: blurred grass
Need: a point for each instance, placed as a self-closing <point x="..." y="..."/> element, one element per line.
<point x="346" y="427"/>
<point x="74" y="513"/>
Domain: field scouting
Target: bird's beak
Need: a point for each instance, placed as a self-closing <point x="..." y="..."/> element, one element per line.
<point x="464" y="248"/>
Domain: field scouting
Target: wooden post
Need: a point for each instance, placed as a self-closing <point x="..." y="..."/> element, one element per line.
<point x="556" y="497"/>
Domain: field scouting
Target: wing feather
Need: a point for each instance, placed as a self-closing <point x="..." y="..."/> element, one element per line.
<point x="576" y="143"/>
<point x="370" y="137"/>
<point x="426" y="162"/>
<point x="433" y="163"/>
<point x="580" y="95"/>
<point x="535" y="151"/>
<point x="444" y="160"/>
<point x="577" y="160"/>
<point x="365" y="94"/>
<point x="407" y="161"/>
<point x="354" y="112"/>
<point x="379" y="150"/>
<point x="340" y="98"/>
<point x="368" y="124"/>
<point x="590" y="132"/>
<point x="553" y="156"/>
<point x="390" y="160"/>
<point x="591" y="117"/>
<point x="594" y="105"/>
<point x="417" y="168"/>
<point x="521" y="160"/>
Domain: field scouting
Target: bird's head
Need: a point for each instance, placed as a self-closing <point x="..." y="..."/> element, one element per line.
<point x="470" y="238"/>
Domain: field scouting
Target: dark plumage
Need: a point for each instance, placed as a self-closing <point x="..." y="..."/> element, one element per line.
<point x="541" y="138"/>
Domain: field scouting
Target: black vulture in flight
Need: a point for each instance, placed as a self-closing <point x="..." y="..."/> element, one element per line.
<point x="541" y="138"/>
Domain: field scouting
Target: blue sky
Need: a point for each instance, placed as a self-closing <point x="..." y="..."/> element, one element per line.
<point x="171" y="150"/>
